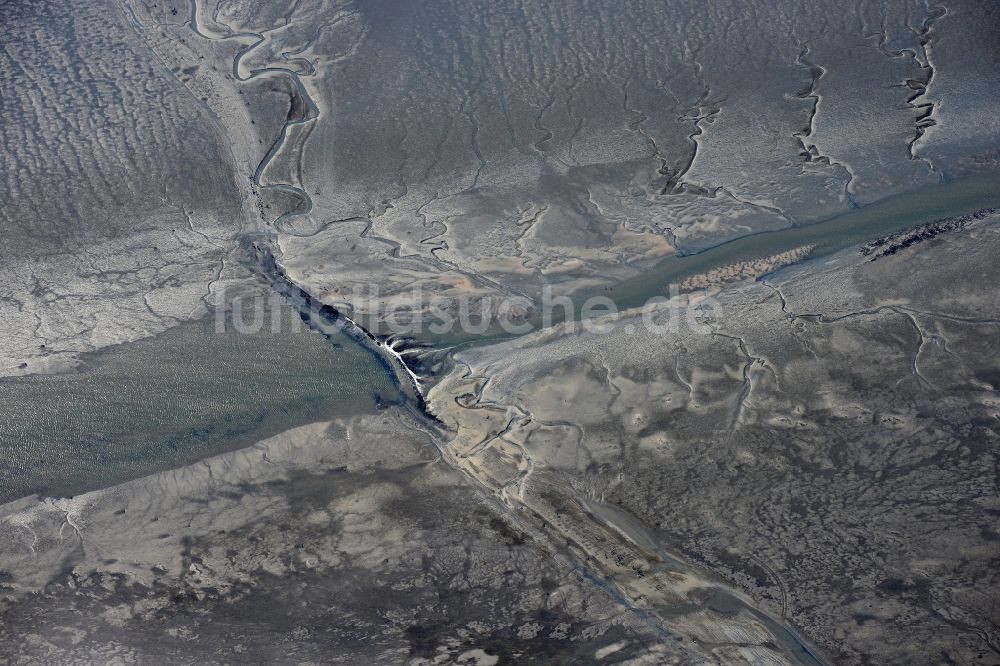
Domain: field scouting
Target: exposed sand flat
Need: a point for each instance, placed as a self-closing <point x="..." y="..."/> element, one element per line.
<point x="746" y="270"/>
<point x="119" y="205"/>
<point x="463" y="159"/>
<point x="826" y="447"/>
<point x="801" y="471"/>
<point x="349" y="538"/>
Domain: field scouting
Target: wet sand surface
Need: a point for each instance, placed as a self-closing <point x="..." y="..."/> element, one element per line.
<point x="803" y="477"/>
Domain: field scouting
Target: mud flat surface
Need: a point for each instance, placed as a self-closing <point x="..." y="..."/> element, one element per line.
<point x="801" y="471"/>
<point x="348" y="541"/>
<point x="825" y="444"/>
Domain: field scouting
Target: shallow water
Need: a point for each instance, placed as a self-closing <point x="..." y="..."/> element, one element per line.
<point x="190" y="392"/>
<point x="855" y="228"/>
<point x="721" y="600"/>
<point x="843" y="231"/>
<point x="172" y="399"/>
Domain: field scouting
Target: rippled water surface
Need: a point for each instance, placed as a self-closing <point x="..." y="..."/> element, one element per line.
<point x="170" y="400"/>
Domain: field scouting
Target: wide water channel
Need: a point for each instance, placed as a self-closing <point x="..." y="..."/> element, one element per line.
<point x="192" y="392"/>
<point x="175" y="398"/>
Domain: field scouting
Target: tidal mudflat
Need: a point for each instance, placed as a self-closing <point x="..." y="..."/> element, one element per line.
<point x="801" y="472"/>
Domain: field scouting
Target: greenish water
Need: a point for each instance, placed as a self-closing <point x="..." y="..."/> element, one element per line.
<point x="191" y="392"/>
<point x="854" y="228"/>
<point x="829" y="236"/>
<point x="170" y="400"/>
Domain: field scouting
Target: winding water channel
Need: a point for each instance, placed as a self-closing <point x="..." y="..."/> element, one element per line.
<point x="312" y="389"/>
